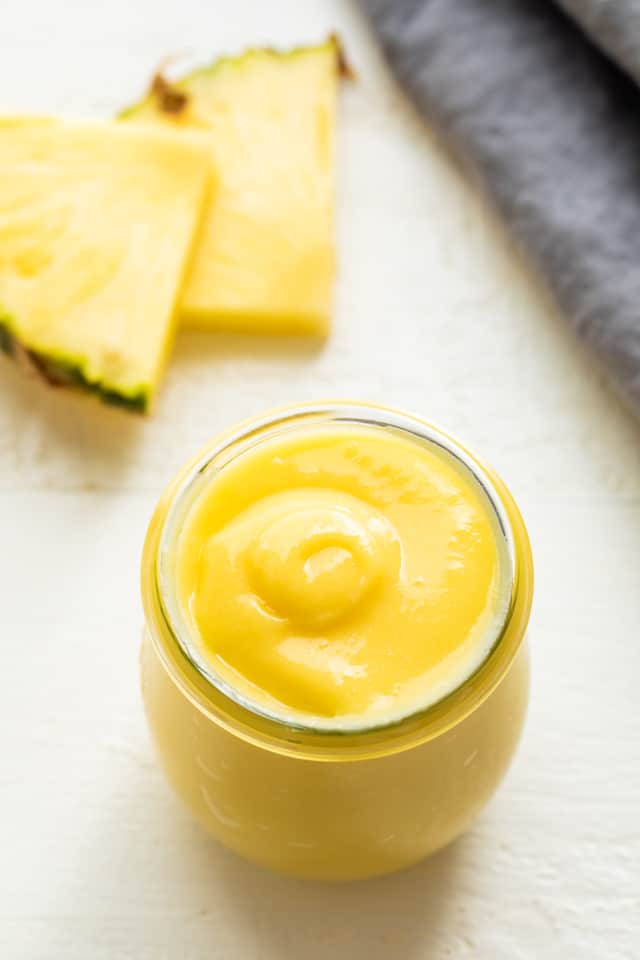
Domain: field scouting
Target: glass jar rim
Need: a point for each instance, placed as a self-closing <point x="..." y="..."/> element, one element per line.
<point x="225" y="704"/>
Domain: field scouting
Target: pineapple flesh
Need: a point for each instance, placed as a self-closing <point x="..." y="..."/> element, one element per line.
<point x="97" y="223"/>
<point x="265" y="260"/>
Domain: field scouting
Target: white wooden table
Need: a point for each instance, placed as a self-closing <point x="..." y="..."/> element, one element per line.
<point x="97" y="859"/>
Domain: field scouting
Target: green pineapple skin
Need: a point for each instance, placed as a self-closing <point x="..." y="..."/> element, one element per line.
<point x="66" y="373"/>
<point x="181" y="84"/>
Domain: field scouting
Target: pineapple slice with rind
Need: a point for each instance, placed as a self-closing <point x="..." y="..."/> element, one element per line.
<point x="265" y="260"/>
<point x="97" y="222"/>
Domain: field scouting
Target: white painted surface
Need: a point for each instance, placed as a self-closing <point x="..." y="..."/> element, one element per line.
<point x="97" y="860"/>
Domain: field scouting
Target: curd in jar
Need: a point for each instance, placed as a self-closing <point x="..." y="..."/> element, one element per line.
<point x="336" y="598"/>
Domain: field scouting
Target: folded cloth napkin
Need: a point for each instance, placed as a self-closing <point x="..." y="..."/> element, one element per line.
<point x="540" y="99"/>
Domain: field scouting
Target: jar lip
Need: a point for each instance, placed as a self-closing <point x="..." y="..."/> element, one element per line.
<point x="213" y="692"/>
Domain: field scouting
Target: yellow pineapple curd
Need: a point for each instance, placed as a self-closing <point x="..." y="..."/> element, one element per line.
<point x="336" y="598"/>
<point x="343" y="574"/>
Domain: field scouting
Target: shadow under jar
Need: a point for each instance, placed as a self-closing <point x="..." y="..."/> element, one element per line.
<point x="324" y="801"/>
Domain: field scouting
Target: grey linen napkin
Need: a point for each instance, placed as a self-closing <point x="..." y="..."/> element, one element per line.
<point x="551" y="126"/>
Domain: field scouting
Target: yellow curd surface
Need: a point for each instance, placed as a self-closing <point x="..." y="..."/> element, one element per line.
<point x="343" y="574"/>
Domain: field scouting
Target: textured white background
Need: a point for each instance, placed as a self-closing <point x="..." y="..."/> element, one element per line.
<point x="434" y="314"/>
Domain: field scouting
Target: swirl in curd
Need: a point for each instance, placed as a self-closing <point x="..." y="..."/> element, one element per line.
<point x="343" y="576"/>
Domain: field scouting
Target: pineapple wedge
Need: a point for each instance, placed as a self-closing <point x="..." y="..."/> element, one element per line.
<point x="265" y="259"/>
<point x="96" y="226"/>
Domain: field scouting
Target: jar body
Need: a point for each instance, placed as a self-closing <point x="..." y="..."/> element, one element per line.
<point x="333" y="819"/>
<point x="329" y="804"/>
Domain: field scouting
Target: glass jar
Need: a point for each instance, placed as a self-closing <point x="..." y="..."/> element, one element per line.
<point x="331" y="804"/>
